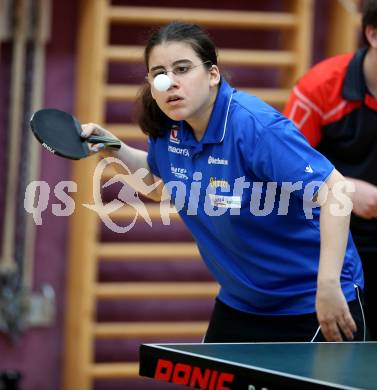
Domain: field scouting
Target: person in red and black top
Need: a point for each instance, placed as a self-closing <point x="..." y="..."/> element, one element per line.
<point x="335" y="107"/>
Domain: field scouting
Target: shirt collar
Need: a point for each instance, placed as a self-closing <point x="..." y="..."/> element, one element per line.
<point x="354" y="87"/>
<point x="216" y="128"/>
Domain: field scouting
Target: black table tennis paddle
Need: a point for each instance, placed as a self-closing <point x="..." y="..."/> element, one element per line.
<point x="60" y="133"/>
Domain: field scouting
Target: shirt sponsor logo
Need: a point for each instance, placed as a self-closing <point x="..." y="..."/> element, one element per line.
<point x="183" y="152"/>
<point x="223" y="201"/>
<point x="217" y="161"/>
<point x="214" y="182"/>
<point x="174" y="134"/>
<point x="180" y="173"/>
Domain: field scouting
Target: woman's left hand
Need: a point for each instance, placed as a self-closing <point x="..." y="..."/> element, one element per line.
<point x="333" y="312"/>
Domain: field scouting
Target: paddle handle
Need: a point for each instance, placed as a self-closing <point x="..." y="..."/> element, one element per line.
<point x="109" y="142"/>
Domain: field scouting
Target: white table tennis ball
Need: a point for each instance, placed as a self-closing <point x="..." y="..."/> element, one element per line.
<point x="162" y="82"/>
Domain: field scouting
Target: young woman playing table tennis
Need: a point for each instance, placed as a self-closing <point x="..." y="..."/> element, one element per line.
<point x="286" y="274"/>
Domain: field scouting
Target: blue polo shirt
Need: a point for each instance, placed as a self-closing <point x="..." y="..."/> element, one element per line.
<point x="244" y="191"/>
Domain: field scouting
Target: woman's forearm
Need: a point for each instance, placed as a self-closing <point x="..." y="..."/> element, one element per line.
<point x="136" y="160"/>
<point x="332" y="309"/>
<point x="334" y="228"/>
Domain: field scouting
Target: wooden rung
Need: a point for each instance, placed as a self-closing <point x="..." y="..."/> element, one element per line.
<point x="206" y="17"/>
<point x="256" y="57"/>
<point x="155" y="211"/>
<point x="121" y="92"/>
<point x="124" y="53"/>
<point x="127" y="132"/>
<point x="149" y="329"/>
<point x="137" y="290"/>
<point x="114" y="370"/>
<point x="129" y="92"/>
<point x="148" y="251"/>
<point x="134" y="54"/>
<point x="270" y="95"/>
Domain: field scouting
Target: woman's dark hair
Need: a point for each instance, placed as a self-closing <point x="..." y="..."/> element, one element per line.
<point x="150" y="118"/>
<point x="369" y="17"/>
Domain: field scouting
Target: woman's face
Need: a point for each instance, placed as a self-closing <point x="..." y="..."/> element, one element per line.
<point x="192" y="89"/>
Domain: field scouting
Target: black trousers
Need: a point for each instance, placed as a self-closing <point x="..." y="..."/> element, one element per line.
<point x="228" y="325"/>
<point x="369" y="260"/>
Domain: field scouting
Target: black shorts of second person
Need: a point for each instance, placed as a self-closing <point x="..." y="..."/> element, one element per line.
<point x="228" y="325"/>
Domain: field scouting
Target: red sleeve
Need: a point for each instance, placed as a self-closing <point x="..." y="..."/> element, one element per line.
<point x="305" y="114"/>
